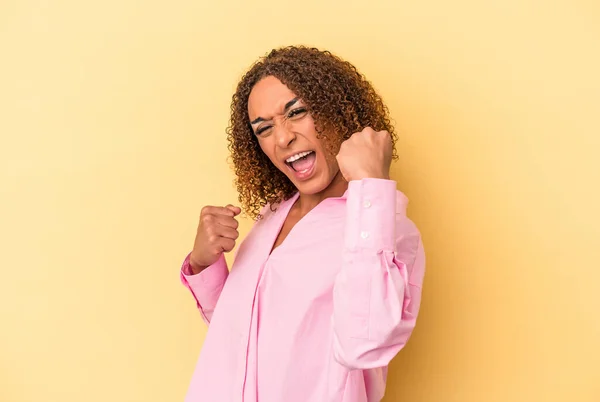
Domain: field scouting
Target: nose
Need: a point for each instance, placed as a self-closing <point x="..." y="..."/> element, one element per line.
<point x="284" y="135"/>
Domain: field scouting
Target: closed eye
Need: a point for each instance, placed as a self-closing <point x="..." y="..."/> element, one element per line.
<point x="295" y="114"/>
<point x="262" y="129"/>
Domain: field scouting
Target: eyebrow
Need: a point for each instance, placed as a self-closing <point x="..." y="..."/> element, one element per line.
<point x="287" y="106"/>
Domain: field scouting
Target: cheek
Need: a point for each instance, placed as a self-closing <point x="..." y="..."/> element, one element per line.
<point x="333" y="165"/>
<point x="307" y="127"/>
<point x="268" y="149"/>
<point x="329" y="159"/>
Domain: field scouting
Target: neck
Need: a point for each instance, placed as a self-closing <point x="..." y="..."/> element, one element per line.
<point x="336" y="188"/>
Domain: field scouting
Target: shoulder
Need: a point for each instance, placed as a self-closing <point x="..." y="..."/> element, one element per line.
<point x="266" y="213"/>
<point x="271" y="209"/>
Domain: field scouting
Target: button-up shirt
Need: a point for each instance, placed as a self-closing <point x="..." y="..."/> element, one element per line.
<point x="318" y="318"/>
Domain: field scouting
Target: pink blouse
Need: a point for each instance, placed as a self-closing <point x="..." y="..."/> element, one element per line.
<point x="320" y="317"/>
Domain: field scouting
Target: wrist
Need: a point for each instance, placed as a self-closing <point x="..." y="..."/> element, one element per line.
<point x="195" y="268"/>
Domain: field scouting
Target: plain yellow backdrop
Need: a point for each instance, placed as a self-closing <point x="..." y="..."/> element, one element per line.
<point x="112" y="119"/>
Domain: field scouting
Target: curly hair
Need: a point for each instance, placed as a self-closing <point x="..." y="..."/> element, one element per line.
<point x="339" y="98"/>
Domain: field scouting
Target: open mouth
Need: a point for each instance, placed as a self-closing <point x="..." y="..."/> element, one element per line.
<point x="301" y="162"/>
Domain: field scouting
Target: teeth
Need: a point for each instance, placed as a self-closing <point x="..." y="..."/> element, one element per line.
<point x="297" y="156"/>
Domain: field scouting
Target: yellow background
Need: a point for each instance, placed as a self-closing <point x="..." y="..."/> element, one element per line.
<point x="112" y="118"/>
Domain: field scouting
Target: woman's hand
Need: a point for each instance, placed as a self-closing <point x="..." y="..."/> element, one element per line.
<point x="217" y="232"/>
<point x="367" y="154"/>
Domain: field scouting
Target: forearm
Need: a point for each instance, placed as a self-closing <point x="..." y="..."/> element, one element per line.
<point x="375" y="303"/>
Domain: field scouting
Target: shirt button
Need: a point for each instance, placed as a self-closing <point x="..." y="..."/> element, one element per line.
<point x="364" y="235"/>
<point x="367" y="204"/>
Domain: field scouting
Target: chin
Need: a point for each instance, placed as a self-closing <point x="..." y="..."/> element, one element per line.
<point x="315" y="185"/>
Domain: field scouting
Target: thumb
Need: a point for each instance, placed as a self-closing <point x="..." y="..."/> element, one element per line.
<point x="236" y="210"/>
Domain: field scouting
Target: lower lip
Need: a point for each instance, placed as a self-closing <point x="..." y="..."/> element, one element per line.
<point x="304" y="175"/>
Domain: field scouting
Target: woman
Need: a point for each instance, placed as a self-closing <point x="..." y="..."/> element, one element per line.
<point x="326" y="287"/>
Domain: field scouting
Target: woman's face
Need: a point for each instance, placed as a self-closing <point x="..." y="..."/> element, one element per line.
<point x="287" y="135"/>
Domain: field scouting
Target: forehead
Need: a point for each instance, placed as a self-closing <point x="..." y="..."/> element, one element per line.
<point x="268" y="98"/>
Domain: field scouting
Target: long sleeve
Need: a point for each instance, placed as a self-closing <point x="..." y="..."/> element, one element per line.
<point x="378" y="290"/>
<point x="205" y="286"/>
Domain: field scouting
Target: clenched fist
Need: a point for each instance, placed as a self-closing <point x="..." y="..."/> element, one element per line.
<point x="217" y="232"/>
<point x="367" y="154"/>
